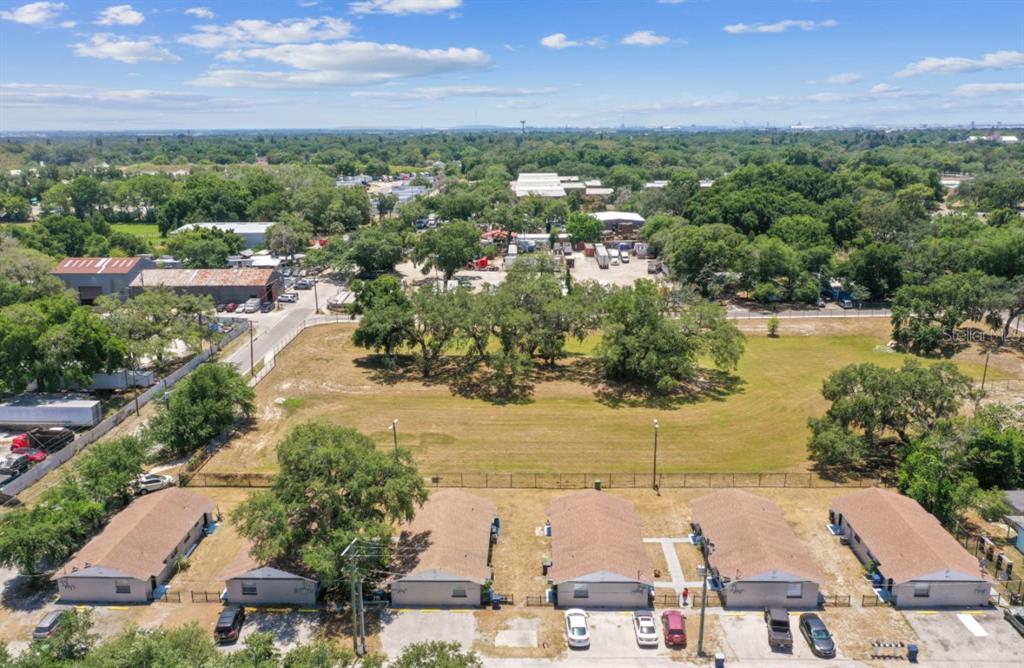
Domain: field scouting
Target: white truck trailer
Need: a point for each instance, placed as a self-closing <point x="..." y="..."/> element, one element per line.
<point x="32" y="409"/>
<point x="601" y="255"/>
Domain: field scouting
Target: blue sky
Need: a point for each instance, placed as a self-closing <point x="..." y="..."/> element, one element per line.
<point x="444" y="63"/>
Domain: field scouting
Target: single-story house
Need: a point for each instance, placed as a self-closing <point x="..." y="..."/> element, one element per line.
<point x="138" y="549"/>
<point x="757" y="556"/>
<point x="612" y="219"/>
<point x="598" y="558"/>
<point x="254" y="234"/>
<point x="225" y="286"/>
<point x="443" y="556"/>
<point x="91" y="277"/>
<point x="921" y="565"/>
<point x="248" y="581"/>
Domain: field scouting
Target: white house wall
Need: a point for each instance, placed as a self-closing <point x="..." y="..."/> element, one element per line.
<point x="604" y="595"/>
<point x="757" y="595"/>
<point x="297" y="591"/>
<point x="410" y="593"/>
<point x="102" y="590"/>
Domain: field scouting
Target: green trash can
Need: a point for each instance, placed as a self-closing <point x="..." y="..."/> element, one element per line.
<point x="597" y="484"/>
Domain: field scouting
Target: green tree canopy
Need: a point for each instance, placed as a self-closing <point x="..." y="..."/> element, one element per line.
<point x="334" y="486"/>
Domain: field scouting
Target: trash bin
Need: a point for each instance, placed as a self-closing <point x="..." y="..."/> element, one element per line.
<point x="597" y="484"/>
<point x="912" y="653"/>
<point x="496" y="602"/>
<point x="719" y="660"/>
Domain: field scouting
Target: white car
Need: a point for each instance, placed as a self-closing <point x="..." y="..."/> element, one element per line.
<point x="288" y="297"/>
<point x="151" y="482"/>
<point x="577" y="632"/>
<point x="645" y="628"/>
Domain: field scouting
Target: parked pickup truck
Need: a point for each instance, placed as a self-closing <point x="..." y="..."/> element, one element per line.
<point x="780" y="638"/>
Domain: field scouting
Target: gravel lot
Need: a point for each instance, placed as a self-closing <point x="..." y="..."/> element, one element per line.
<point x="944" y="638"/>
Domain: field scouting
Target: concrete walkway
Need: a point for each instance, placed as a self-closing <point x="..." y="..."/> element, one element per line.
<point x="675" y="569"/>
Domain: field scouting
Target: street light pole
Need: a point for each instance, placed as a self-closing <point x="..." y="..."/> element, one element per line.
<point x="316" y="299"/>
<point x="252" y="363"/>
<point x="705" y="549"/>
<point x="654" y="473"/>
<point x="394" y="433"/>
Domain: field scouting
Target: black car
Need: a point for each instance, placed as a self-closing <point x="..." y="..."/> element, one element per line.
<point x="266" y="307"/>
<point x="14" y="465"/>
<point x="817" y="636"/>
<point x="229" y="625"/>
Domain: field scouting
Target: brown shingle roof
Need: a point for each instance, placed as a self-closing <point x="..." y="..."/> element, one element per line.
<point x="96" y="265"/>
<point x="139" y="539"/>
<point x="593" y="532"/>
<point x="906" y="540"/>
<point x="450" y="535"/>
<point x="751" y="537"/>
<point x="188" y="278"/>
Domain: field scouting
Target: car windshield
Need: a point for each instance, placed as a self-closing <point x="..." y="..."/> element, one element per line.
<point x="820" y="634"/>
<point x="646" y="627"/>
<point x="577" y="630"/>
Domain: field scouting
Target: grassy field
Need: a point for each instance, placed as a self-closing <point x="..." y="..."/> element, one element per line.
<point x="148" y="231"/>
<point x="568" y="426"/>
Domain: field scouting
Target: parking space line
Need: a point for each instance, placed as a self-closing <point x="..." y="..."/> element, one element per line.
<point x="925" y="612"/>
<point x="972" y="625"/>
<point x="117" y="607"/>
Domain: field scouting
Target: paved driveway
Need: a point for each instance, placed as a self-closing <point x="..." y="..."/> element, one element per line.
<point x="974" y="638"/>
<point x="400" y="628"/>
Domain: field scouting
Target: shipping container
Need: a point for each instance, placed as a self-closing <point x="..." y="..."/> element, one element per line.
<point x="602" y="256"/>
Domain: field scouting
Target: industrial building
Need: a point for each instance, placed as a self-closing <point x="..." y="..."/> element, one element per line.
<point x="757" y="557"/>
<point x="91" y="277"/>
<point x="443" y="555"/>
<point x="920" y="564"/>
<point x="254" y="234"/>
<point x="598" y="559"/>
<point x="226" y="286"/>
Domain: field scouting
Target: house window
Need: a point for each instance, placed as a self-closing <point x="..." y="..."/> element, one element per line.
<point x="122" y="588"/>
<point x="248" y="589"/>
<point x="458" y="592"/>
<point x="922" y="590"/>
<point x="795" y="590"/>
<point x="580" y="591"/>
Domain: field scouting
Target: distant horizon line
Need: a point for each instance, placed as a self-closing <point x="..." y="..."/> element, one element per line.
<point x="996" y="125"/>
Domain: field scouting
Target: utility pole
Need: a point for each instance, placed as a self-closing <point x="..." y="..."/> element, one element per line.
<point x="316" y="299"/>
<point x="654" y="473"/>
<point x="252" y="363"/>
<point x="394" y="434"/>
<point x="351" y="554"/>
<point x="984" y="374"/>
<point x="706" y="548"/>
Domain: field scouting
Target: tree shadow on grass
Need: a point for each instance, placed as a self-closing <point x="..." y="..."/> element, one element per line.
<point x="26" y="593"/>
<point x="712" y="385"/>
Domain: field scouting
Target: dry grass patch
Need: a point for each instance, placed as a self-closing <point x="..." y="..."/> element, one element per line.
<point x="550" y="638"/>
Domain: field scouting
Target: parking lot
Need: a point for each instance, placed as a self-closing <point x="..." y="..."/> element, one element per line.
<point x="400" y="628"/>
<point x="975" y="637"/>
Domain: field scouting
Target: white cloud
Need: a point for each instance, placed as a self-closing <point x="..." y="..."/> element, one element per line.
<point x="644" y="38"/>
<point x="671" y="2"/>
<point x="844" y="78"/>
<point x="469" y="90"/>
<point x="68" y="24"/>
<point x="63" y="96"/>
<point x="401" y="7"/>
<point x="255" y="32"/>
<point x="125" y="49"/>
<point x="559" y="40"/>
<point x="997" y="60"/>
<point x="200" y="12"/>
<point x="980" y="89"/>
<point x="884" y="88"/>
<point x="34" y="13"/>
<point x="779" y="26"/>
<point x="120" y="15"/>
<point x="342" y="64"/>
